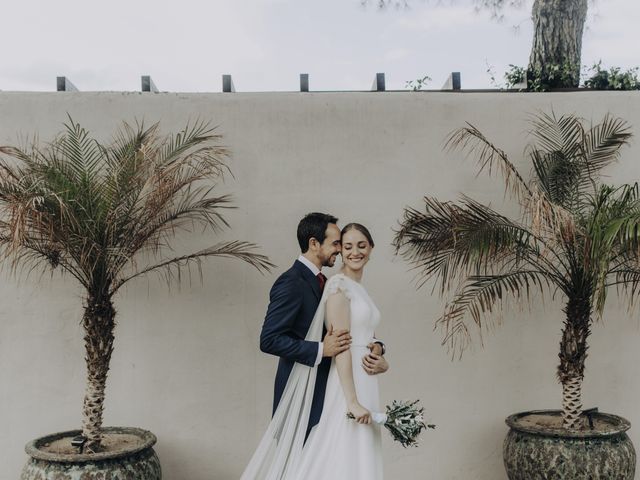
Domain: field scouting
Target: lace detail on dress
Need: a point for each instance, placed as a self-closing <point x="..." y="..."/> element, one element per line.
<point x="338" y="283"/>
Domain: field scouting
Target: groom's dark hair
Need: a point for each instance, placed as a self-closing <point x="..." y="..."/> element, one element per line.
<point x="313" y="225"/>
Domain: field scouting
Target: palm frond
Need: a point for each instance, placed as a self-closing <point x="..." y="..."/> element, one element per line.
<point x="82" y="154"/>
<point x="194" y="210"/>
<point x="128" y="163"/>
<point x="558" y="177"/>
<point x="478" y="299"/>
<point x="93" y="208"/>
<point x="628" y="279"/>
<point x="472" y="142"/>
<point x="574" y="233"/>
<point x="180" y="147"/>
<point x="130" y="141"/>
<point x="172" y="269"/>
<point x="453" y="241"/>
<point x="604" y="141"/>
<point x="37" y="253"/>
<point x="613" y="229"/>
<point x="567" y="159"/>
<point x="564" y="134"/>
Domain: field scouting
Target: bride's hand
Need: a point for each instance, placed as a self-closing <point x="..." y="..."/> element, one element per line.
<point x="362" y="414"/>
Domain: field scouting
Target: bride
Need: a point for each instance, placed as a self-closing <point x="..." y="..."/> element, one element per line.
<point x="338" y="448"/>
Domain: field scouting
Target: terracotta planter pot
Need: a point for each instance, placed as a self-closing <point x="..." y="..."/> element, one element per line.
<point x="136" y="461"/>
<point x="536" y="452"/>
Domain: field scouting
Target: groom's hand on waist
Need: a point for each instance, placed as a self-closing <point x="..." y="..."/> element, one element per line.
<point x="376" y="347"/>
<point x="335" y="342"/>
<point x="374" y="364"/>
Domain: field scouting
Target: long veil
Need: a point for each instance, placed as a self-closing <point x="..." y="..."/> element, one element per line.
<point x="278" y="454"/>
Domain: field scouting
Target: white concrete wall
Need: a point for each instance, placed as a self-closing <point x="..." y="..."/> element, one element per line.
<point x="187" y="364"/>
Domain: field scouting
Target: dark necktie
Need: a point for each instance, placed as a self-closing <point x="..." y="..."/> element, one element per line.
<point x="321" y="280"/>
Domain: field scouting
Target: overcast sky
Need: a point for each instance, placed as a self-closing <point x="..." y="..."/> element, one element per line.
<point x="187" y="45"/>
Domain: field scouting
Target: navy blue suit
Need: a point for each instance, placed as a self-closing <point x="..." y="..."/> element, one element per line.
<point x="294" y="299"/>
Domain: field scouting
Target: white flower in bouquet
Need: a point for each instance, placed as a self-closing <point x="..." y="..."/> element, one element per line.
<point x="405" y="421"/>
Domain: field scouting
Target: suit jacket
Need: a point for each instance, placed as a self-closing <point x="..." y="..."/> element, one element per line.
<point x="294" y="298"/>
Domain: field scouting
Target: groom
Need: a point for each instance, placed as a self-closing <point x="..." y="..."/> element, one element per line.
<point x="294" y="298"/>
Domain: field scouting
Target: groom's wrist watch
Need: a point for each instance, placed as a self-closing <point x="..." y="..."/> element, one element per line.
<point x="384" y="349"/>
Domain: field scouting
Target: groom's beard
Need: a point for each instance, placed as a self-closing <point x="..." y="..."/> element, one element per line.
<point x="330" y="262"/>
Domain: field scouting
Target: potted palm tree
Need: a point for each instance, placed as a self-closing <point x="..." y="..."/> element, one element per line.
<point x="107" y="214"/>
<point x="576" y="237"/>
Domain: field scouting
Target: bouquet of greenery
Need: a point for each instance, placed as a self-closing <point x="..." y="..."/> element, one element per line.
<point x="404" y="420"/>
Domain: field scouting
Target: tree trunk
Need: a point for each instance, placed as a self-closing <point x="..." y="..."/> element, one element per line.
<point x="557" y="42"/>
<point x="573" y="353"/>
<point x="98" y="322"/>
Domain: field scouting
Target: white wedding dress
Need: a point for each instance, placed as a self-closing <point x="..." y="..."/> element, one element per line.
<point x="338" y="448"/>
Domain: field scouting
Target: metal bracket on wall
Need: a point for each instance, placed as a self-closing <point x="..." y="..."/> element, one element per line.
<point x="148" y="85"/>
<point x="227" y="84"/>
<point x="453" y="82"/>
<point x="63" y="84"/>
<point x="304" y="82"/>
<point x="378" y="83"/>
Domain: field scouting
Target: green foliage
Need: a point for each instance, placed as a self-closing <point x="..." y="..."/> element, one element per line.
<point x="109" y="213"/>
<point x="103" y="212"/>
<point x="417" y="84"/>
<point x="599" y="79"/>
<point x="495" y="7"/>
<point x="515" y="76"/>
<point x="612" y="79"/>
<point x="492" y="75"/>
<point x="574" y="235"/>
<point x="552" y="76"/>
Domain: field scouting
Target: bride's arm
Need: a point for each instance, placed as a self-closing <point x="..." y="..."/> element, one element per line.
<point x="338" y="316"/>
